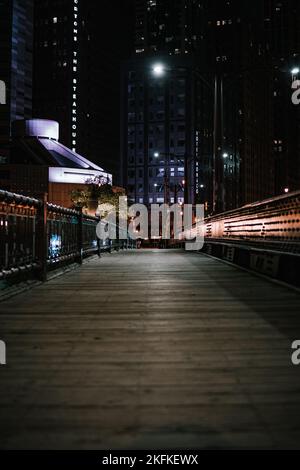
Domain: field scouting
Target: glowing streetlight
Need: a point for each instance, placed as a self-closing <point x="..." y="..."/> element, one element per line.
<point x="156" y="154"/>
<point x="295" y="71"/>
<point x="225" y="155"/>
<point x="158" y="70"/>
<point x="286" y="190"/>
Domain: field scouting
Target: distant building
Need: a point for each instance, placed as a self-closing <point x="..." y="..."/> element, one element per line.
<point x="226" y="126"/>
<point x="249" y="49"/>
<point x="39" y="163"/>
<point x="76" y="72"/>
<point x="233" y="46"/>
<point x="167" y="26"/>
<point x="167" y="118"/>
<point x="283" y="38"/>
<point x="166" y="130"/>
<point x="16" y="40"/>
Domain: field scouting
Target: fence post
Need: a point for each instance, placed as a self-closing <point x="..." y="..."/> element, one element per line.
<point x="41" y="239"/>
<point x="99" y="247"/>
<point x="80" y="236"/>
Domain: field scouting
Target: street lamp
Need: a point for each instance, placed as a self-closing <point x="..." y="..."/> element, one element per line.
<point x="156" y="154"/>
<point x="225" y="155"/>
<point x="295" y="71"/>
<point x="158" y="70"/>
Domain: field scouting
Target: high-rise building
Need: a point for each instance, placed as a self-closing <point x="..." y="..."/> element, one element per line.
<point x="225" y="41"/>
<point x="234" y="48"/>
<point x="56" y="65"/>
<point x="167" y="106"/>
<point x="253" y="47"/>
<point x="16" y="29"/>
<point x="76" y="72"/>
<point x="166" y="124"/>
<point x="167" y="26"/>
<point x="283" y="39"/>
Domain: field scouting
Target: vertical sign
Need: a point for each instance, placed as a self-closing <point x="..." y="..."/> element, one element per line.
<point x="197" y="162"/>
<point x="75" y="74"/>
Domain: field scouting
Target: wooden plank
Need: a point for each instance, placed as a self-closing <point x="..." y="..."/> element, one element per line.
<point x="151" y="348"/>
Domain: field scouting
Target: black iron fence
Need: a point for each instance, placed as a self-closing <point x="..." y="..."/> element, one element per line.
<point x="36" y="236"/>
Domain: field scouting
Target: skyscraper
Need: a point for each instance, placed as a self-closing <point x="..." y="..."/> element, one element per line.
<point x="234" y="47"/>
<point x="283" y="39"/>
<point x="166" y="143"/>
<point x="166" y="129"/>
<point x="167" y="26"/>
<point x="56" y="65"/>
<point x="16" y="29"/>
<point x="76" y="72"/>
<point x="253" y="47"/>
<point x="227" y="44"/>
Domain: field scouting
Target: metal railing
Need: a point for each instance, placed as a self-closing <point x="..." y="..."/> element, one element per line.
<point x="36" y="236"/>
<point x="272" y="223"/>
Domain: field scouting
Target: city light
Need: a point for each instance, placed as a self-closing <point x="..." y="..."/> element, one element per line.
<point x="156" y="154"/>
<point x="225" y="155"/>
<point x="295" y="71"/>
<point x="286" y="190"/>
<point x="158" y="69"/>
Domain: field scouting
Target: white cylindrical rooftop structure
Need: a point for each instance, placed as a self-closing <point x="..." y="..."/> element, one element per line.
<point x="36" y="128"/>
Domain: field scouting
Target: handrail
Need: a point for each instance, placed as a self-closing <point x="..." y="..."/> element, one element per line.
<point x="272" y="220"/>
<point x="36" y="236"/>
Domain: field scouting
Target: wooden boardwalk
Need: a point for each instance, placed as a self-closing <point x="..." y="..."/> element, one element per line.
<point x="151" y="349"/>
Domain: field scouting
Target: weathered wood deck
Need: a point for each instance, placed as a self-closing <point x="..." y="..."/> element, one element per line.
<point x="150" y="350"/>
